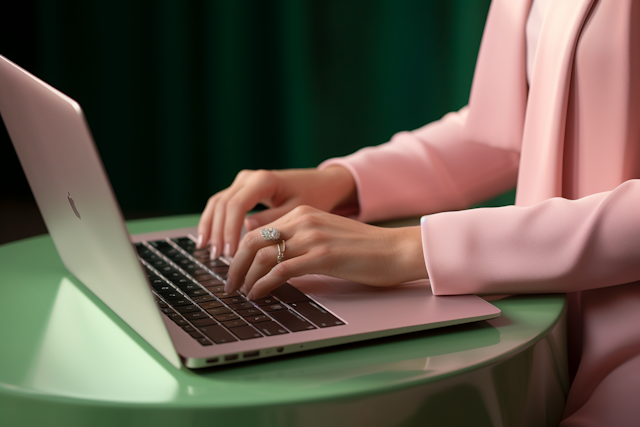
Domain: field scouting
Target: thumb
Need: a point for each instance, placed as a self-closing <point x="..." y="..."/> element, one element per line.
<point x="265" y="217"/>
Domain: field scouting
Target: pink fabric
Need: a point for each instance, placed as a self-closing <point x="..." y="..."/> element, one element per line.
<point x="573" y="140"/>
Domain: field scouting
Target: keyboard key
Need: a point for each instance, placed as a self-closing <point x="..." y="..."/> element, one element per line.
<point x="240" y="306"/>
<point x="213" y="285"/>
<point x="292" y="321"/>
<point x="203" y="298"/>
<point x="289" y="293"/>
<point x="196" y="315"/>
<point x="270" y="328"/>
<point x="315" y="313"/>
<point x="225" y="317"/>
<point x="215" y="263"/>
<point x="204" y="322"/>
<point x="217" y="334"/>
<point x="233" y="299"/>
<point x="246" y="332"/>
<point x="218" y="270"/>
<point x="196" y="292"/>
<point x="234" y="323"/>
<point x="219" y="310"/>
<point x="203" y="341"/>
<point x="174" y="276"/>
<point x="265" y="301"/>
<point x="188" y="286"/>
<point x="170" y="295"/>
<point x="163" y="287"/>
<point x="195" y="334"/>
<point x="223" y="294"/>
<point x="249" y="312"/>
<point x="203" y="277"/>
<point x="258" y="318"/>
<point x="187" y="309"/>
<point x="179" y="301"/>
<point x="180" y="321"/>
<point x="185" y="243"/>
<point x="211" y="304"/>
<point x="273" y="307"/>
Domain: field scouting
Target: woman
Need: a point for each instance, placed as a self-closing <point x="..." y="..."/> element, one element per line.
<point x="554" y="107"/>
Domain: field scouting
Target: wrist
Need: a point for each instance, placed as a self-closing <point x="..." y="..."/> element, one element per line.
<point x="409" y="257"/>
<point x="341" y="186"/>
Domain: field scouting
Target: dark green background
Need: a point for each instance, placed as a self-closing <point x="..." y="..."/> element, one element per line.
<point x="181" y="95"/>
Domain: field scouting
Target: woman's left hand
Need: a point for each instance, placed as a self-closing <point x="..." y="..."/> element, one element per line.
<point x="317" y="242"/>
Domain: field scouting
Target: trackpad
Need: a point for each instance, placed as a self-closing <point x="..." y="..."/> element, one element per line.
<point x="327" y="287"/>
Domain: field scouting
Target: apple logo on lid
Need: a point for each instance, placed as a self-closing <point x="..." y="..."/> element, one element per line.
<point x="73" y="205"/>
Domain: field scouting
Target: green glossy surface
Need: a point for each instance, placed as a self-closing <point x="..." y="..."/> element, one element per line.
<point x="66" y="358"/>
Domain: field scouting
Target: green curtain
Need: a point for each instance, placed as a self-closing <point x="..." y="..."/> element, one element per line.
<point x="181" y="95"/>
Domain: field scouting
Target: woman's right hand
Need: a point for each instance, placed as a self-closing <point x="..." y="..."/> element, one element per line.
<point x="281" y="191"/>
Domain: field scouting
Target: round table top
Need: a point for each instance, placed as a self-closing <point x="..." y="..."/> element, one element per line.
<point x="61" y="344"/>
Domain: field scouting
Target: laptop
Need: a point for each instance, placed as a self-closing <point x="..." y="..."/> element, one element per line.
<point x="168" y="291"/>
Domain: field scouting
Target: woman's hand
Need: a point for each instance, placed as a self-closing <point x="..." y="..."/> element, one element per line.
<point x="323" y="243"/>
<point x="281" y="191"/>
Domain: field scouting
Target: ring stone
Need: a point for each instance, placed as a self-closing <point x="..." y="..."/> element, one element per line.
<point x="270" y="234"/>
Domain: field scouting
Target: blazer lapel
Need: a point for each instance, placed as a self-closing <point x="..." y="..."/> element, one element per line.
<point x="540" y="173"/>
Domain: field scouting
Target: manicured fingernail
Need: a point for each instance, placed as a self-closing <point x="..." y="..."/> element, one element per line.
<point x="227" y="249"/>
<point x="228" y="287"/>
<point x="199" y="242"/>
<point x="213" y="252"/>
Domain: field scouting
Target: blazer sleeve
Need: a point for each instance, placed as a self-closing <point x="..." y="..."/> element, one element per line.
<point x="432" y="169"/>
<point x="558" y="245"/>
<point x="467" y="156"/>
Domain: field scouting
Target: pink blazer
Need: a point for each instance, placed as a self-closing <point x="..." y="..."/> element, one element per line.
<point x="571" y="142"/>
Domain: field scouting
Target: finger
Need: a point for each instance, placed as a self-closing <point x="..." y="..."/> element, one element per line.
<point x="267" y="258"/>
<point x="281" y="273"/>
<point x="217" y="225"/>
<point x="250" y="245"/>
<point x="268" y="216"/>
<point x="205" y="223"/>
<point x="236" y="209"/>
<point x="264" y="261"/>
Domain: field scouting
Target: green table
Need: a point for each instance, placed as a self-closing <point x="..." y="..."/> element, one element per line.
<point x="67" y="360"/>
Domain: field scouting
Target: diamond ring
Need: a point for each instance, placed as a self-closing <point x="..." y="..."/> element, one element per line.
<point x="270" y="234"/>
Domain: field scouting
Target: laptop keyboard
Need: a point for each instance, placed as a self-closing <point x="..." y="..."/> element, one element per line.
<point x="189" y="288"/>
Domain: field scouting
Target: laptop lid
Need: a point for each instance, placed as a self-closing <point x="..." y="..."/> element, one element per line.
<point x="68" y="180"/>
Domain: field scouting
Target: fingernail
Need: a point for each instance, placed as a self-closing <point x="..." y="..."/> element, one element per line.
<point x="228" y="287"/>
<point x="199" y="242"/>
<point x="213" y="252"/>
<point x="227" y="249"/>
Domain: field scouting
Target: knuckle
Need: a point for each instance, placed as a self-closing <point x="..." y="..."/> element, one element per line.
<point x="265" y="176"/>
<point x="322" y="251"/>
<point x="303" y="210"/>
<point x="314" y="236"/>
<point x="233" y="203"/>
<point x="251" y="239"/>
<point x="244" y="173"/>
<point x="264" y="257"/>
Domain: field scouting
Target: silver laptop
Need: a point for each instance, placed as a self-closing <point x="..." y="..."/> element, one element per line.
<point x="166" y="290"/>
